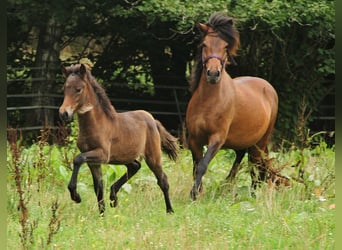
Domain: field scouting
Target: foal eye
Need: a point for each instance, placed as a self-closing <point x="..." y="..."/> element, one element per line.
<point x="78" y="90"/>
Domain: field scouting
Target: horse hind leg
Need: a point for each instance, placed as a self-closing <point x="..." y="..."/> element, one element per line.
<point x="96" y="172"/>
<point x="132" y="169"/>
<point x="239" y="154"/>
<point x="162" y="180"/>
<point x="259" y="170"/>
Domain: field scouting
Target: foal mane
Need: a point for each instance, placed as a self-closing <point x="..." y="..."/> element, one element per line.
<point x="223" y="26"/>
<point x="102" y="97"/>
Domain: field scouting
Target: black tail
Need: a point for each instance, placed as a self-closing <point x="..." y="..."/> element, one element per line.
<point x="168" y="142"/>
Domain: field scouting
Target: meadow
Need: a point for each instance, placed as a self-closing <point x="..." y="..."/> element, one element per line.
<point x="41" y="214"/>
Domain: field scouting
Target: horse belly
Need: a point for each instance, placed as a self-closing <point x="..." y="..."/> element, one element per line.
<point x="248" y="133"/>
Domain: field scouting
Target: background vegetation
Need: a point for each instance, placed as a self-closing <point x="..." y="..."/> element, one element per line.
<point x="144" y="44"/>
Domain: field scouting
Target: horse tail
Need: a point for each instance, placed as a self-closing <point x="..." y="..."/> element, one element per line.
<point x="168" y="142"/>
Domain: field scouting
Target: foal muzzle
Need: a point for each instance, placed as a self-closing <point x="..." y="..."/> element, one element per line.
<point x="66" y="114"/>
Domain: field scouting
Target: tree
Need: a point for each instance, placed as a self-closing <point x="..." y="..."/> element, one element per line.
<point x="146" y="44"/>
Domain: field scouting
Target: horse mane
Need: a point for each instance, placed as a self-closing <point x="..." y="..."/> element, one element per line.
<point x="102" y="97"/>
<point x="223" y="26"/>
<point x="99" y="91"/>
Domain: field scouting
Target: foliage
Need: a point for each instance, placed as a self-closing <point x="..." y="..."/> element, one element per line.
<point x="149" y="43"/>
<point x="301" y="216"/>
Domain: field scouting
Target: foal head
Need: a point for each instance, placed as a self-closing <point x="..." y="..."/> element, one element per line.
<point x="76" y="92"/>
<point x="219" y="44"/>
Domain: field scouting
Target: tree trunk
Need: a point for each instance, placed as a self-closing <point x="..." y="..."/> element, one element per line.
<point x="44" y="75"/>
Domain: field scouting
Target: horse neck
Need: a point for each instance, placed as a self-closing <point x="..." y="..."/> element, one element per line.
<point x="96" y="117"/>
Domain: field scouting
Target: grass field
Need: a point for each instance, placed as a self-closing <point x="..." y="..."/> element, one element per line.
<point x="41" y="214"/>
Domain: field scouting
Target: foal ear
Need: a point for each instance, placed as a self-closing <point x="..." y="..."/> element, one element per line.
<point x="203" y="27"/>
<point x="64" y="71"/>
<point x="83" y="69"/>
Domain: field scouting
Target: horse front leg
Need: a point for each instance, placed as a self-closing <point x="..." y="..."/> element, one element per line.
<point x="132" y="169"/>
<point x="96" y="172"/>
<point x="72" y="186"/>
<point x="96" y="156"/>
<point x="197" y="156"/>
<point x="201" y="167"/>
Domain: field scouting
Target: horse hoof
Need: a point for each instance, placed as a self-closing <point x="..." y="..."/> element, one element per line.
<point x="169" y="211"/>
<point x="76" y="198"/>
<point x="101" y="210"/>
<point x="193" y="195"/>
<point x="114" y="203"/>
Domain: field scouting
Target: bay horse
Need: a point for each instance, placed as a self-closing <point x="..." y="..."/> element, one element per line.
<point x="237" y="113"/>
<point x="107" y="136"/>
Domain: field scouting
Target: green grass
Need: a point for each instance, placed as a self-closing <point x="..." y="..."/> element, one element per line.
<point x="223" y="217"/>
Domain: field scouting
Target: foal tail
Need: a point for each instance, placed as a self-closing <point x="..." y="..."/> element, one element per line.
<point x="168" y="143"/>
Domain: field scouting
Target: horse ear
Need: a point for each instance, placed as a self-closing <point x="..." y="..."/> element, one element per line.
<point x="83" y="69"/>
<point x="64" y="71"/>
<point x="230" y="21"/>
<point x="203" y="27"/>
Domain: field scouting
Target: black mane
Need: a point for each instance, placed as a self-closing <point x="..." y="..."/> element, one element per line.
<point x="101" y="96"/>
<point x="223" y="26"/>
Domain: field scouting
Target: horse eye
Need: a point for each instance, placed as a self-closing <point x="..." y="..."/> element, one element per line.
<point x="78" y="90"/>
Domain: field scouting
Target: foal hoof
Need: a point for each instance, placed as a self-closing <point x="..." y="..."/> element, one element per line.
<point x="114" y="203"/>
<point x="193" y="194"/>
<point x="169" y="211"/>
<point x="76" y="197"/>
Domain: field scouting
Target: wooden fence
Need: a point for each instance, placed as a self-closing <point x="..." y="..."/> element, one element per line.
<point x="173" y="109"/>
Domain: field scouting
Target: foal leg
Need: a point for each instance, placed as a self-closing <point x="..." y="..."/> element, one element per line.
<point x="213" y="148"/>
<point x="96" y="172"/>
<point x="94" y="156"/>
<point x="79" y="159"/>
<point x="156" y="168"/>
<point x="239" y="154"/>
<point x="132" y="169"/>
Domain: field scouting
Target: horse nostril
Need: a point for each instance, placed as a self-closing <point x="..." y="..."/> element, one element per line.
<point x="217" y="73"/>
<point x="208" y="73"/>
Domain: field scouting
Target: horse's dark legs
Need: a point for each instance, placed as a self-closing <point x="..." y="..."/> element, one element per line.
<point x="197" y="156"/>
<point x="96" y="172"/>
<point x="79" y="159"/>
<point x="156" y="168"/>
<point x="259" y="168"/>
<point x="202" y="166"/>
<point x="132" y="169"/>
<point x="239" y="154"/>
<point x="95" y="156"/>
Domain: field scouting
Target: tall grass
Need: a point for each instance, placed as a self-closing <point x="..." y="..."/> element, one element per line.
<point x="224" y="216"/>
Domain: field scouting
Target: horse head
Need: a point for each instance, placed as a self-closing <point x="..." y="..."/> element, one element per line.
<point x="219" y="44"/>
<point x="76" y="93"/>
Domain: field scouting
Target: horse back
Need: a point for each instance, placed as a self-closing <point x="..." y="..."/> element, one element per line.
<point x="134" y="134"/>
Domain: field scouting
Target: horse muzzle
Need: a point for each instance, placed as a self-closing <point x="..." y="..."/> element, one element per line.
<point x="213" y="76"/>
<point x="66" y="114"/>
